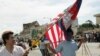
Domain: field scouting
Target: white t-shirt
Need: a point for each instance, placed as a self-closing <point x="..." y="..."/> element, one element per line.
<point x="17" y="51"/>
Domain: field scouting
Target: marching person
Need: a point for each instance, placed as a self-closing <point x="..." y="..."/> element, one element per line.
<point x="43" y="48"/>
<point x="68" y="46"/>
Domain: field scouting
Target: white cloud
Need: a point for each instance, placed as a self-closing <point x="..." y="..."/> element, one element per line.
<point x="88" y="11"/>
<point x="13" y="13"/>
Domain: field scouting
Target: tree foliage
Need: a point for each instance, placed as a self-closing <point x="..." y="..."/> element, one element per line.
<point x="88" y="25"/>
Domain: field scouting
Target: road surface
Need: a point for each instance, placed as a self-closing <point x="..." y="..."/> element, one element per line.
<point x="93" y="47"/>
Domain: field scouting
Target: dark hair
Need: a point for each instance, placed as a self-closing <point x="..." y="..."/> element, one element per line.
<point x="69" y="30"/>
<point x="5" y="36"/>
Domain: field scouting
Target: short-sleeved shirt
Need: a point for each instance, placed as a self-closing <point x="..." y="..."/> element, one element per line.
<point x="67" y="48"/>
<point x="42" y="45"/>
<point x="17" y="51"/>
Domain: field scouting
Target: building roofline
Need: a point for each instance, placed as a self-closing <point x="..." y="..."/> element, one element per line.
<point x="97" y="15"/>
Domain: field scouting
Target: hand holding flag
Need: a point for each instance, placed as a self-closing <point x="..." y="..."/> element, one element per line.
<point x="56" y="32"/>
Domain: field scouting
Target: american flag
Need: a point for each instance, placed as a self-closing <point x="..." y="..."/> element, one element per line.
<point x="56" y="34"/>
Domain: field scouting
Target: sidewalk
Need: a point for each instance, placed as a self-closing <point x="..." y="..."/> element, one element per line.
<point x="93" y="47"/>
<point x="35" y="52"/>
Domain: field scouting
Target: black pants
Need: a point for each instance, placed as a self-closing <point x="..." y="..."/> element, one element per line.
<point x="44" y="52"/>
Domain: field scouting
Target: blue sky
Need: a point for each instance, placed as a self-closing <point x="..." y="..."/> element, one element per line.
<point x="13" y="13"/>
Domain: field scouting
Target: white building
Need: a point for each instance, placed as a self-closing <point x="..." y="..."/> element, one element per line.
<point x="97" y="18"/>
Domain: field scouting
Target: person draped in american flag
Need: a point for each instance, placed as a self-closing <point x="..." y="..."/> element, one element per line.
<point x="60" y="33"/>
